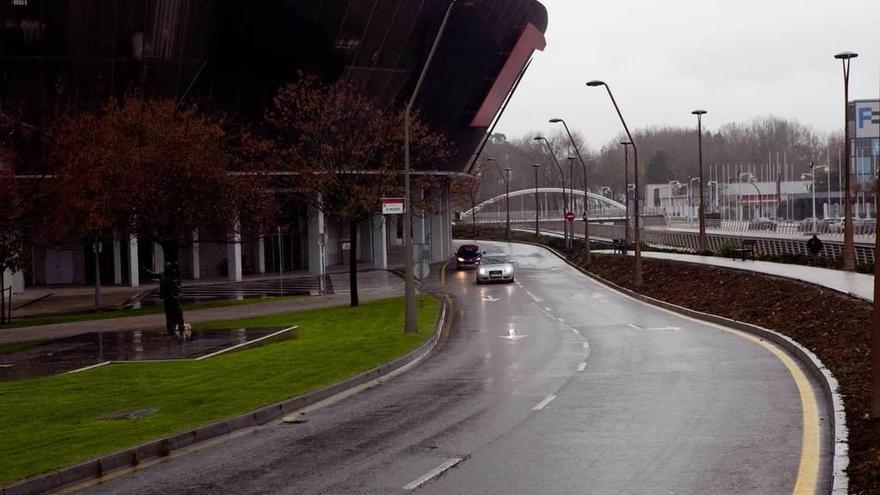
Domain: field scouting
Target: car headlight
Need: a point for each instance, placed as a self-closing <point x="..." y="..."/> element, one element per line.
<point x="460" y="258"/>
<point x="482" y="271"/>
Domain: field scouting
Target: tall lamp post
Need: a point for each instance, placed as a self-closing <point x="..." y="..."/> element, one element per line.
<point x="626" y="145"/>
<point x="506" y="180"/>
<point x="849" y="250"/>
<point x="637" y="275"/>
<point x="562" y="174"/>
<point x="702" y="211"/>
<point x="586" y="193"/>
<point x="411" y="321"/>
<point x="537" y="209"/>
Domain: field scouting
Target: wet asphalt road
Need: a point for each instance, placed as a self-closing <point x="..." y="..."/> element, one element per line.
<point x="554" y="384"/>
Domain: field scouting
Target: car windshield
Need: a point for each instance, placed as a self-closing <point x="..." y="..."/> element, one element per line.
<point x="468" y="250"/>
<point x="493" y="260"/>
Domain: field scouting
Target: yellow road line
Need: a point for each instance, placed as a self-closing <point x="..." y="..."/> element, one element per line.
<point x="443" y="274"/>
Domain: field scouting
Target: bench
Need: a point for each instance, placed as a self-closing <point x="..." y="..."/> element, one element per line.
<point x="619" y="245"/>
<point x="747" y="250"/>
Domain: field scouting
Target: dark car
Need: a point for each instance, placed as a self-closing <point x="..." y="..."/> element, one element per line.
<point x="468" y="256"/>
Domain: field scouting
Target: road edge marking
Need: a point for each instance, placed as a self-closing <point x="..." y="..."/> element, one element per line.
<point x="434" y="473"/>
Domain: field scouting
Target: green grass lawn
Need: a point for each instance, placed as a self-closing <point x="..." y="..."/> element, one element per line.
<point x="29" y="321"/>
<point x="52" y="422"/>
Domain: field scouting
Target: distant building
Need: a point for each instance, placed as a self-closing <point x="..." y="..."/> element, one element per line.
<point x="787" y="200"/>
<point x="864" y="121"/>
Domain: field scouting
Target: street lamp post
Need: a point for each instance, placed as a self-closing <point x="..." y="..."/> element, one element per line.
<point x="637" y="275"/>
<point x="507" y="194"/>
<point x="813" y="190"/>
<point x="562" y="175"/>
<point x="537" y="209"/>
<point x="586" y="192"/>
<point x="411" y="322"/>
<point x="626" y="145"/>
<point x="702" y="211"/>
<point x="507" y="200"/>
<point x="849" y="251"/>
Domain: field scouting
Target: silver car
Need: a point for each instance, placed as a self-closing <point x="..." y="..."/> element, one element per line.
<point x="495" y="267"/>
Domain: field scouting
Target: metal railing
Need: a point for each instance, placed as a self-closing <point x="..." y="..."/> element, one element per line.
<point x="823" y="227"/>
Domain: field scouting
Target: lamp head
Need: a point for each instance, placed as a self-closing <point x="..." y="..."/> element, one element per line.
<point x="536" y="165"/>
<point x="846" y="55"/>
<point x="540" y="138"/>
<point x="595" y="83"/>
<point x="555" y="121"/>
<point x="699" y="112"/>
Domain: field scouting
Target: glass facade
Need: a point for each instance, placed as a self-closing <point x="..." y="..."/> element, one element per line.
<point x="74" y="53"/>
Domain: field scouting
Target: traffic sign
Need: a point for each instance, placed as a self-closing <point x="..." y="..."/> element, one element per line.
<point x="570" y="216"/>
<point x="392" y="206"/>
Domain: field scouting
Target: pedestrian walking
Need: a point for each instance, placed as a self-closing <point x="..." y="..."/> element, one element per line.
<point x="171" y="294"/>
<point x="814" y="247"/>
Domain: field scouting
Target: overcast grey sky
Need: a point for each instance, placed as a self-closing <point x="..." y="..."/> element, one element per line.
<point x="737" y="59"/>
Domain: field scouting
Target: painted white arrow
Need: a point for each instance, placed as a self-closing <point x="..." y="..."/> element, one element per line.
<point x="512" y="335"/>
<point x="491" y="299"/>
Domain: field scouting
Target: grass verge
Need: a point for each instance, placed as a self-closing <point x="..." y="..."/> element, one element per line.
<point x="51" y="422"/>
<point x="31" y="321"/>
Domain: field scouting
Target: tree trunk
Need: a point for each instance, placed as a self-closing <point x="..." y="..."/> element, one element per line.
<point x="96" y="250"/>
<point x="352" y="263"/>
<point x="171" y="252"/>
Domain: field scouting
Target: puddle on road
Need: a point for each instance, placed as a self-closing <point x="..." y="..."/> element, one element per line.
<point x="72" y="353"/>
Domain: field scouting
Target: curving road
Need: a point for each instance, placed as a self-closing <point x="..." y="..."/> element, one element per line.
<point x="554" y="384"/>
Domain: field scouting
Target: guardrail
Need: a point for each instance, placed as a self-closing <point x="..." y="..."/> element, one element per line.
<point x="861" y="227"/>
<point x="688" y="240"/>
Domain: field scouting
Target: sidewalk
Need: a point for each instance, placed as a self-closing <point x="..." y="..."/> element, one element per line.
<point x="372" y="285"/>
<point x="855" y="284"/>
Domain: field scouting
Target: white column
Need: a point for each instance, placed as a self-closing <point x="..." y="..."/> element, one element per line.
<point x="233" y="257"/>
<point x="196" y="259"/>
<point x="261" y="254"/>
<point x="18" y="282"/>
<point x="317" y="239"/>
<point x="158" y="257"/>
<point x="380" y="248"/>
<point x="134" y="278"/>
<point x="117" y="259"/>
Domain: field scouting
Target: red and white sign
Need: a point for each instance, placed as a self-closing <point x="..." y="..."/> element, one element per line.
<point x="392" y="206"/>
<point x="570" y="216"/>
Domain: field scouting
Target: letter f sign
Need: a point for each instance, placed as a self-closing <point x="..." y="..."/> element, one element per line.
<point x="864" y="115"/>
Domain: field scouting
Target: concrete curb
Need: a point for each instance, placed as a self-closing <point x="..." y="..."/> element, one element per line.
<point x="162" y="447"/>
<point x="829" y="384"/>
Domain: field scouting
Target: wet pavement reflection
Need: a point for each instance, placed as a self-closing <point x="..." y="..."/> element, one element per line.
<point x="58" y="356"/>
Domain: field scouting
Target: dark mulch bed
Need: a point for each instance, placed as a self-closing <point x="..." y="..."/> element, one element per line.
<point x="833" y="325"/>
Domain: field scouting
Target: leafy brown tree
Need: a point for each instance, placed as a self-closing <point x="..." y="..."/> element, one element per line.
<point x="152" y="169"/>
<point x="344" y="151"/>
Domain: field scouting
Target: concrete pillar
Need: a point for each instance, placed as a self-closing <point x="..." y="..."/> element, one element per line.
<point x="196" y="259"/>
<point x="261" y="255"/>
<point x="380" y="246"/>
<point x="18" y="282"/>
<point x="117" y="259"/>
<point x="317" y="240"/>
<point x="233" y="257"/>
<point x="158" y="258"/>
<point x="134" y="273"/>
